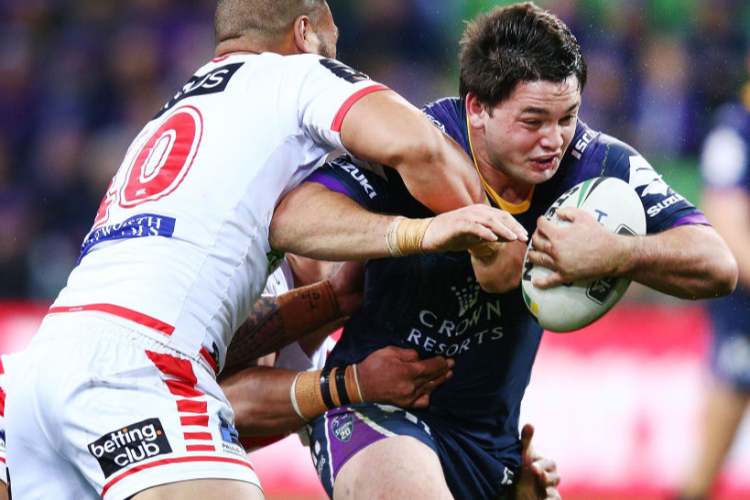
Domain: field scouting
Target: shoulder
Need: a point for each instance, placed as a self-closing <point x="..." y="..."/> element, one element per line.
<point x="602" y="154"/>
<point x="449" y="115"/>
<point x="364" y="182"/>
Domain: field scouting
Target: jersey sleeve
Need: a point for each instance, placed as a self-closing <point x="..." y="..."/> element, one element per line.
<point x="355" y="179"/>
<point x="664" y="207"/>
<point x="326" y="90"/>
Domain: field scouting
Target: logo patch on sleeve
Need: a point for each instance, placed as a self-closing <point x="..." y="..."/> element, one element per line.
<point x="130" y="445"/>
<point x="343" y="71"/>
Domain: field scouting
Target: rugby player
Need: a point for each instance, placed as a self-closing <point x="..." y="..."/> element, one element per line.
<point x="522" y="73"/>
<point x="725" y="166"/>
<point x="116" y="396"/>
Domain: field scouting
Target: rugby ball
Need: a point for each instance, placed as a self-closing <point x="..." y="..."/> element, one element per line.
<point x="572" y="306"/>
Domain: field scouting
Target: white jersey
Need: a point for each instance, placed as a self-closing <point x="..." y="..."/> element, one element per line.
<point x="180" y="242"/>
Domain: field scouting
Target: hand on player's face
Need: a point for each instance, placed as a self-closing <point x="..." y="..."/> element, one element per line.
<point x="581" y="251"/>
<point x="466" y="227"/>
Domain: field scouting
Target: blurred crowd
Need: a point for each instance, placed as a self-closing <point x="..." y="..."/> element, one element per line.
<point x="79" y="78"/>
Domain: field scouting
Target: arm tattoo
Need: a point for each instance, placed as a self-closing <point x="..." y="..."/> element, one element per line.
<point x="262" y="333"/>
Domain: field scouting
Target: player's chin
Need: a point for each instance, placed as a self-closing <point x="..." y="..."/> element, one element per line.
<point x="541" y="172"/>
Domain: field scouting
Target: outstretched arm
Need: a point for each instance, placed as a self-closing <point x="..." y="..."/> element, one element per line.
<point x="382" y="127"/>
<point x="317" y="222"/>
<point x="689" y="262"/>
<point x="262" y="402"/>
<point x="538" y="478"/>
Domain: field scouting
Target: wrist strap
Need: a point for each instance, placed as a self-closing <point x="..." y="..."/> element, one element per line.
<point x="485" y="250"/>
<point x="404" y="236"/>
<point x="313" y="393"/>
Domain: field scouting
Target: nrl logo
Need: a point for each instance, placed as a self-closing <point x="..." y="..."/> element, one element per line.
<point x="343" y="427"/>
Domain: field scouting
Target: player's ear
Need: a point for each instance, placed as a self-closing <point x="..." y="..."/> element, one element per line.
<point x="475" y="110"/>
<point x="305" y="37"/>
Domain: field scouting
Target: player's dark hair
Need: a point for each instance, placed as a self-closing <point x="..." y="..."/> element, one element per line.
<point x="270" y="19"/>
<point x="519" y="43"/>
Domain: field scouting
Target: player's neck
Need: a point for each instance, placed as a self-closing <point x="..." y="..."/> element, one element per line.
<point x="510" y="190"/>
<point x="245" y="45"/>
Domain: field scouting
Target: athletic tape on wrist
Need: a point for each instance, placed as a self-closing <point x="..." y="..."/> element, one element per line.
<point x="404" y="236"/>
<point x="308" y="308"/>
<point x="352" y="384"/>
<point x="313" y="394"/>
<point x="391" y="240"/>
<point x="293" y="396"/>
<point x="309" y="396"/>
<point x="485" y="250"/>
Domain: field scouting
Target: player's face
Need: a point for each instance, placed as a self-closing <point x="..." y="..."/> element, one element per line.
<point x="526" y="135"/>
<point x="326" y="33"/>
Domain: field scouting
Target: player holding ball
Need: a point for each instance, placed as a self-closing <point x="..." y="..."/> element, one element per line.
<point x="522" y="73"/>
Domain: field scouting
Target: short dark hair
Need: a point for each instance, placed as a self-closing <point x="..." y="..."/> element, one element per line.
<point x="514" y="44"/>
<point x="266" y="18"/>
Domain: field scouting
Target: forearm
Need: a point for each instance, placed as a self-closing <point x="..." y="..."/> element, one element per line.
<point x="319" y="223"/>
<point x="275" y="322"/>
<point x="689" y="262"/>
<point x="270" y="401"/>
<point x="260" y="398"/>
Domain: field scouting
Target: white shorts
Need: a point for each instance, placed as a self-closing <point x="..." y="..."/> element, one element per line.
<point x="95" y="410"/>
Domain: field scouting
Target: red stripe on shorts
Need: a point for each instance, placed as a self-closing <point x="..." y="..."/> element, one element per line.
<point x="169" y="365"/>
<point x="169" y="461"/>
<point x="201" y="421"/>
<point x="199" y="436"/>
<point x="184" y="389"/>
<point x="339" y="118"/>
<point x="123" y="312"/>
<point x="201" y="447"/>
<point x="187" y="406"/>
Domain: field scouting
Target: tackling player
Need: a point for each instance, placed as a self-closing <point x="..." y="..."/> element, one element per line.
<point x="521" y="79"/>
<point x="116" y="396"/>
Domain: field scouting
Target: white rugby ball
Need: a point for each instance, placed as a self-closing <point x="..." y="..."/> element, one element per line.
<point x="572" y="306"/>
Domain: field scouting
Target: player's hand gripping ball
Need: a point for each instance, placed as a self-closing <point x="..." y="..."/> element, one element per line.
<point x="572" y="306"/>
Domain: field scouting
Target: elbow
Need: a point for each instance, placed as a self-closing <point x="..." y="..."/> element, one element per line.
<point x="725" y="276"/>
<point x="720" y="280"/>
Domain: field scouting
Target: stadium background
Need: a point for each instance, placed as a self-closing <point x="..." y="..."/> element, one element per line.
<point x="617" y="405"/>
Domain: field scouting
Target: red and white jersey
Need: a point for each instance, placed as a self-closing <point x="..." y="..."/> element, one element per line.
<point x="180" y="242"/>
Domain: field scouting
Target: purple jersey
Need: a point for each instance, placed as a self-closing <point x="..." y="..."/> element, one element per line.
<point x="434" y="304"/>
<point x="726" y="165"/>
